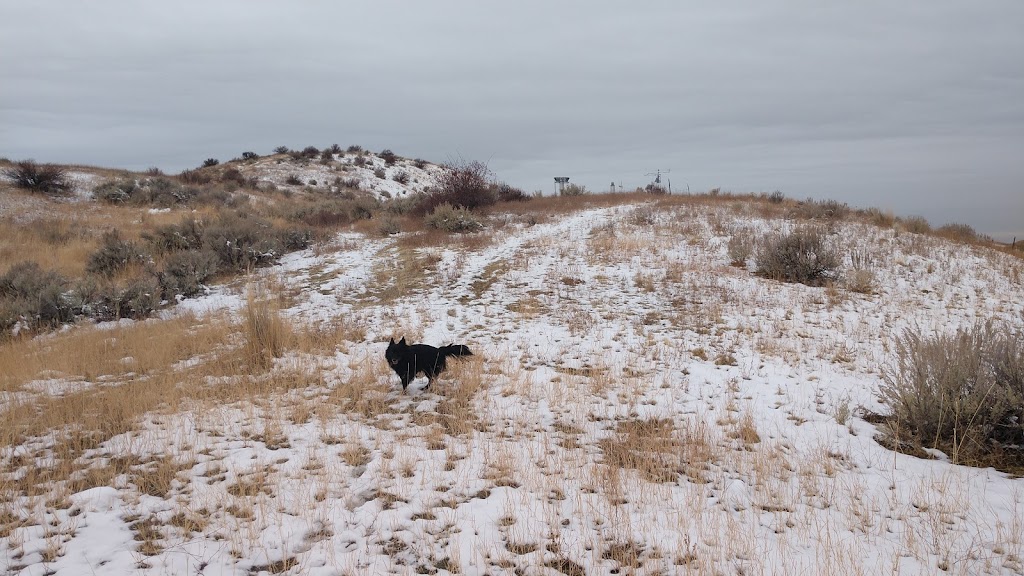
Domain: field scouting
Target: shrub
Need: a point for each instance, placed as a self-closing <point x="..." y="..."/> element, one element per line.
<point x="249" y="155"/>
<point x="334" y="149"/>
<point x="293" y="180"/>
<point x="402" y="177"/>
<point x="47" y="179"/>
<point x="508" y="193"/>
<point x="916" y="224"/>
<point x="114" y="255"/>
<point x="776" y="197"/>
<point x="388" y="225"/>
<point x="185" y="272"/>
<point x="462" y="185"/>
<point x="961" y="393"/>
<point x="359" y="161"/>
<point x="187" y="235"/>
<point x="210" y="162"/>
<point x="194" y="177"/>
<point x="380" y="173"/>
<point x="150" y="191"/>
<point x="281" y="150"/>
<point x="296" y="238"/>
<point x="154" y="171"/>
<point x="352" y="183"/>
<point x="800" y="256"/>
<point x="573" y="190"/>
<point x="822" y="210"/>
<point x="354" y="149"/>
<point x="388" y="156"/>
<point x="135" y="298"/>
<point x="740" y="247"/>
<point x="958" y="232"/>
<point x="233" y="175"/>
<point x="452" y="219"/>
<point x="310" y="152"/>
<point x="242" y="242"/>
<point x="419" y="163"/>
<point x="33" y="297"/>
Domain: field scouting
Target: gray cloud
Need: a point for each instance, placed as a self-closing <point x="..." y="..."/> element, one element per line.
<point x="915" y="106"/>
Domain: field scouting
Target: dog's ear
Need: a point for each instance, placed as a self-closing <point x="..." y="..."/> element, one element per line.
<point x="392" y="340"/>
<point x="402" y="341"/>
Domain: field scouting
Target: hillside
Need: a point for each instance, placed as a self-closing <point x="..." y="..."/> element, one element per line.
<point x="639" y="401"/>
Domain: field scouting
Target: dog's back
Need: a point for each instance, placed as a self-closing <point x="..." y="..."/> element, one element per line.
<point x="408" y="360"/>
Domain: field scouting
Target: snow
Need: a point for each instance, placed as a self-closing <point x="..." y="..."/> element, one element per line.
<point x="581" y="327"/>
<point x="278" y="169"/>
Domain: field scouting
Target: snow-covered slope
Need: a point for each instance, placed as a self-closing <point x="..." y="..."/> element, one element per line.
<point x="363" y="169"/>
<point x="635" y="405"/>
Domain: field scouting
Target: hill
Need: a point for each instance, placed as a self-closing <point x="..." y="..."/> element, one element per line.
<point x="644" y="397"/>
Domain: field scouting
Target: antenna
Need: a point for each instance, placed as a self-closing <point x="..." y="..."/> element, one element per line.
<point x="656" y="187"/>
<point x="657" y="174"/>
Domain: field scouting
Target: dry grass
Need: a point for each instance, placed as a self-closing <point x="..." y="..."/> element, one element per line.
<point x="661" y="450"/>
<point x="64" y="235"/>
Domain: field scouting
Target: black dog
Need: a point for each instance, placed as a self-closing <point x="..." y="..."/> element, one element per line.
<point x="409" y="360"/>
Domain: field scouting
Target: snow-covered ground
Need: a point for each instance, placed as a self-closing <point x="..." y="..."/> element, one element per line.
<point x="635" y="405"/>
<point x="357" y="168"/>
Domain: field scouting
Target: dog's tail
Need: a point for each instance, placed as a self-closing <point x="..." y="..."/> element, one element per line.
<point x="456" y="350"/>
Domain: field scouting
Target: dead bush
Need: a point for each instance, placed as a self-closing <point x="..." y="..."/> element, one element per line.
<point x="801" y="256"/>
<point x="961" y="393"/>
<point x="47" y="179"/>
<point x="462" y="185"/>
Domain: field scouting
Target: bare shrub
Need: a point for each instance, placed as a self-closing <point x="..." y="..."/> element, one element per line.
<point x="47" y="179"/>
<point x="402" y="177"/>
<point x="801" y="256"/>
<point x="293" y="180"/>
<point x="452" y="219"/>
<point x="281" y="150"/>
<point x="462" y="185"/>
<point x="249" y="155"/>
<point x="776" y="197"/>
<point x="210" y="162"/>
<point x="115" y="255"/>
<point x="961" y="393"/>
<point x="388" y="156"/>
<point x="380" y="173"/>
<point x="507" y="193"/>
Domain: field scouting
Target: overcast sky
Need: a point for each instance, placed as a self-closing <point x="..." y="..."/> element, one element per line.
<point x="915" y="106"/>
